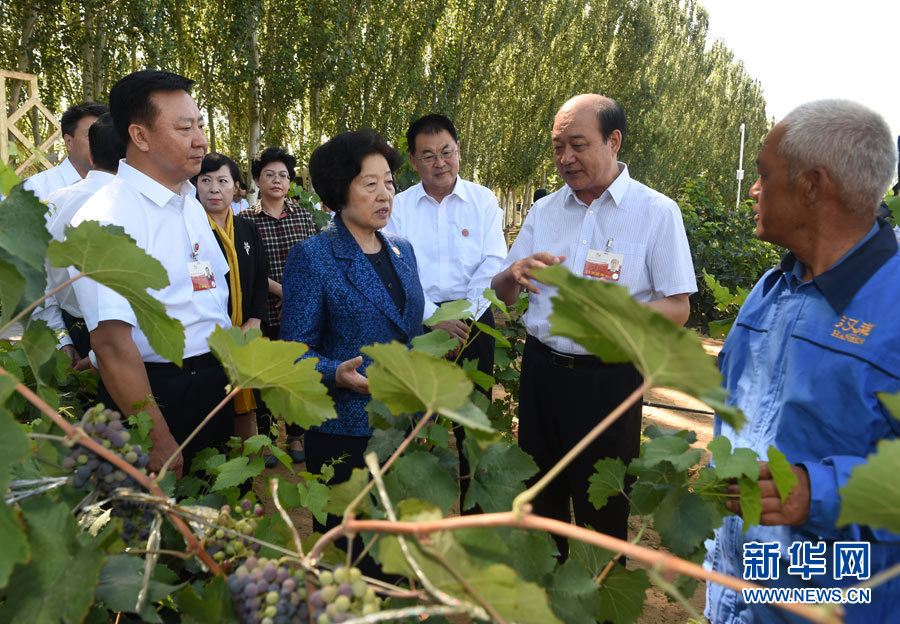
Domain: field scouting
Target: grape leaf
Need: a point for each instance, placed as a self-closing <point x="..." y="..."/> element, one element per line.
<point x="120" y="582"/>
<point x="497" y="475"/>
<point x="491" y="296"/>
<point x="483" y="380"/>
<point x="594" y="558"/>
<point x="573" y="593"/>
<point x="672" y="449"/>
<point x="437" y="343"/>
<point x="592" y="312"/>
<point x="493" y="332"/>
<point x="39" y="345"/>
<point x="405" y="480"/>
<point x="607" y="481"/>
<point x="236" y="471"/>
<point x="23" y="233"/>
<point x="255" y="443"/>
<point x="622" y="595"/>
<point x="8" y="177"/>
<point x="470" y="415"/>
<point x="871" y="495"/>
<point x="751" y="501"/>
<point x="12" y="289"/>
<point x="645" y="496"/>
<point x="112" y="259"/>
<point x="213" y="606"/>
<point x="452" y="310"/>
<point x="314" y="496"/>
<point x="731" y="466"/>
<point x="58" y="584"/>
<point x="682" y="520"/>
<point x="531" y="553"/>
<point x="783" y="475"/>
<point x="384" y="442"/>
<point x="291" y="389"/>
<point x="343" y="494"/>
<point x="14" y="445"/>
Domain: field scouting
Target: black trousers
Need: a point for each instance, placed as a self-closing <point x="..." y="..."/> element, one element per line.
<point x="185" y="396"/>
<point x="558" y="406"/>
<point x="81" y="337"/>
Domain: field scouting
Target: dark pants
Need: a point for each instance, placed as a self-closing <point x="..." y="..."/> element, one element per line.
<point x="558" y="406"/>
<point x="265" y="418"/>
<point x="185" y="396"/>
<point x="81" y="337"/>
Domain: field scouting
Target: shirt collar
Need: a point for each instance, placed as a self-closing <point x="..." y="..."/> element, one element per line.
<point x="99" y="176"/>
<point x="148" y="187"/>
<point x="616" y="190"/>
<point x="841" y="282"/>
<point x="459" y="189"/>
<point x="69" y="172"/>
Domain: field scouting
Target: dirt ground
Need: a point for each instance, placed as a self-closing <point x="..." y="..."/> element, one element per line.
<point x="657" y="609"/>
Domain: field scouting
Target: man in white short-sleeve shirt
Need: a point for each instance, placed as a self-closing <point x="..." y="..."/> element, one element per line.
<point x="74" y="123"/>
<point x="156" y="205"/>
<point x="603" y="225"/>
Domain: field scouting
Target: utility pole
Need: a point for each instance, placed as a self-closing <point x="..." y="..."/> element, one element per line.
<point x="740" y="171"/>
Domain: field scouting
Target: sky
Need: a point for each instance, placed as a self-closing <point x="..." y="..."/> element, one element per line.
<point x="802" y="50"/>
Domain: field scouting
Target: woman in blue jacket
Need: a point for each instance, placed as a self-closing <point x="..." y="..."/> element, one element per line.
<point x="350" y="286"/>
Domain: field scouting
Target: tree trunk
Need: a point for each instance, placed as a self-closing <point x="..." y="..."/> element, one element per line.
<point x="211" y="124"/>
<point x="253" y="112"/>
<point x="87" y="56"/>
<point x="99" y="52"/>
<point x="24" y="61"/>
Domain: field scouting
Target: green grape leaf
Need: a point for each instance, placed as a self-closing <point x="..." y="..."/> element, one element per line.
<point x="314" y="496"/>
<point x="491" y="296"/>
<point x="483" y="380"/>
<point x="31" y="279"/>
<point x="672" y="449"/>
<point x="412" y="381"/>
<point x="39" y="345"/>
<point x="384" y="442"/>
<point x="288" y="493"/>
<point x="14" y="545"/>
<point x="8" y="177"/>
<point x="751" y="501"/>
<point x="607" y="481"/>
<point x="497" y="475"/>
<point x="655" y="431"/>
<point x="594" y="558"/>
<point x="14" y="444"/>
<point x="214" y="605"/>
<point x="731" y="466"/>
<point x="380" y="417"/>
<point x="682" y="520"/>
<point x="573" y="593"/>
<point x="342" y="494"/>
<point x="469" y="415"/>
<point x="23" y="233"/>
<point x="716" y="399"/>
<point x="437" y="343"/>
<point x="236" y="471"/>
<point x="58" y="584"/>
<point x="494" y="333"/>
<point x="645" y="497"/>
<point x="120" y="582"/>
<point x="622" y="595"/>
<point x="12" y="289"/>
<point x="112" y="259"/>
<point x="783" y="475"/>
<point x="404" y="480"/>
<point x="871" y="495"/>
<point x="592" y="312"/>
<point x="531" y="553"/>
<point x="436" y="434"/>
<point x="255" y="443"/>
<point x="292" y="390"/>
<point x="452" y="310"/>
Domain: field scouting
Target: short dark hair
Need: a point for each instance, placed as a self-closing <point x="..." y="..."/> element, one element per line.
<point x="538" y="194"/>
<point x="611" y="116"/>
<point x="129" y="98"/>
<point x="69" y="120"/>
<point x="428" y="124"/>
<point x="270" y="155"/>
<point x="335" y="163"/>
<point x="107" y="148"/>
<point x="214" y="161"/>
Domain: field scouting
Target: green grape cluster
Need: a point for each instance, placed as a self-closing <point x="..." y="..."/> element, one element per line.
<point x="342" y="595"/>
<point x="225" y="547"/>
<point x="269" y="592"/>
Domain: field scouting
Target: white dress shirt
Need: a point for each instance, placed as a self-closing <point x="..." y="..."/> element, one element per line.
<point x="237" y="207"/>
<point x="166" y="226"/>
<point x="44" y="183"/>
<point x="459" y="242"/>
<point x="64" y="203"/>
<point x="629" y="218"/>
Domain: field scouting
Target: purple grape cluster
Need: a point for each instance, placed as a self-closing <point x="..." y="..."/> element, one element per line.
<point x="268" y="592"/>
<point x="342" y="595"/>
<point x="225" y="547"/>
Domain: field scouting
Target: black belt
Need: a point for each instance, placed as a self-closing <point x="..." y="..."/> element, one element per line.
<point x="567" y="360"/>
<point x="197" y="362"/>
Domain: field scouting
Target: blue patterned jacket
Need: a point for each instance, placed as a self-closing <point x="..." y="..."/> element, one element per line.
<point x="336" y="304"/>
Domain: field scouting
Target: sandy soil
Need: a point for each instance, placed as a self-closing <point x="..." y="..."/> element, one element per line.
<point x="657" y="609"/>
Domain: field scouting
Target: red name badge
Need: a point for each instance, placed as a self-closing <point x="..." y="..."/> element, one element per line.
<point x="604" y="265"/>
<point x="201" y="275"/>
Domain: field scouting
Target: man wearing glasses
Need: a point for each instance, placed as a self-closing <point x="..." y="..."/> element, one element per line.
<point x="456" y="229"/>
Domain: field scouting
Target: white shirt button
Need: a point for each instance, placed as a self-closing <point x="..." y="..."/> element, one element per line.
<point x="584" y="242"/>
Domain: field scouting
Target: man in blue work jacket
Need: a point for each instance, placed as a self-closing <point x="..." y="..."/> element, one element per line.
<point x="814" y="343"/>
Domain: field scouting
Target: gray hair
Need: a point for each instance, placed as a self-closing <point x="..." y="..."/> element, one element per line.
<point x="852" y="143"/>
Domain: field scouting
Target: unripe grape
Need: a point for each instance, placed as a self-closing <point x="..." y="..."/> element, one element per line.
<point x="341" y="603"/>
<point x="359" y="588"/>
<point x="272" y="597"/>
<point x="329" y="593"/>
<point x="326" y="578"/>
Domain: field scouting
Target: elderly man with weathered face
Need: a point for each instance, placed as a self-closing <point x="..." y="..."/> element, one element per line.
<point x="601" y="224"/>
<point x="812" y="348"/>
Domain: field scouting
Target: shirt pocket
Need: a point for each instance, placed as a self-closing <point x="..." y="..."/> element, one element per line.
<point x="634" y="259"/>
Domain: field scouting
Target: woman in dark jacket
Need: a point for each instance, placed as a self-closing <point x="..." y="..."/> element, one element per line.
<point x="243" y="249"/>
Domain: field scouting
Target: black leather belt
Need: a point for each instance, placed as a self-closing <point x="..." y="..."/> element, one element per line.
<point x="197" y="362"/>
<point x="567" y="360"/>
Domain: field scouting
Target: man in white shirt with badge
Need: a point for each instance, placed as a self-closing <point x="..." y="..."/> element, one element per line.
<point x="75" y="123"/>
<point x="605" y="225"/>
<point x="456" y="229"/>
<point x="61" y="311"/>
<point x="153" y="201"/>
